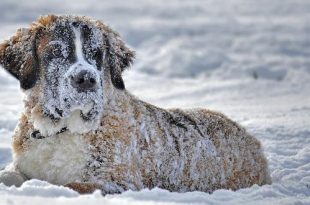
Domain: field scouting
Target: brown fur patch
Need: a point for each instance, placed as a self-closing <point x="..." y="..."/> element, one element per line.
<point x="47" y="20"/>
<point x="42" y="44"/>
<point x="20" y="136"/>
<point x="84" y="188"/>
<point x="3" y="47"/>
<point x="18" y="145"/>
<point x="27" y="68"/>
<point x="43" y="21"/>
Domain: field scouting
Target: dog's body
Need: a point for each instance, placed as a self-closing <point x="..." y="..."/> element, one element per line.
<point x="82" y="129"/>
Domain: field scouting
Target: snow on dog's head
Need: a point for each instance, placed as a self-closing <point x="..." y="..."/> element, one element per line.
<point x="65" y="65"/>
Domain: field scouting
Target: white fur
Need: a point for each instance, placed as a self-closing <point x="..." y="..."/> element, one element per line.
<point x="59" y="159"/>
<point x="78" y="46"/>
<point x="77" y="125"/>
<point x="45" y="125"/>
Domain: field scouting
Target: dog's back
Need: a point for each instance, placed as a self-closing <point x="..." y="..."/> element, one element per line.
<point x="203" y="150"/>
<point x="218" y="153"/>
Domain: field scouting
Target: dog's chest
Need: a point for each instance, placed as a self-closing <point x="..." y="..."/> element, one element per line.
<point x="59" y="160"/>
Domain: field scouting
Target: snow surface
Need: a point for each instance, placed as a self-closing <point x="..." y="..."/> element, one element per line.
<point x="247" y="59"/>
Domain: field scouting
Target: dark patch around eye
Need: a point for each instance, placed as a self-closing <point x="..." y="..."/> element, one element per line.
<point x="71" y="50"/>
<point x="56" y="51"/>
<point x="98" y="57"/>
<point x="53" y="52"/>
<point x="91" y="54"/>
<point x="85" y="34"/>
<point x="65" y="34"/>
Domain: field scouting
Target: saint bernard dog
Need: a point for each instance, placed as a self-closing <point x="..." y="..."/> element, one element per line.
<point x="82" y="129"/>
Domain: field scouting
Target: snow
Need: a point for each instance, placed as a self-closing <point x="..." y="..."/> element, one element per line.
<point x="247" y="59"/>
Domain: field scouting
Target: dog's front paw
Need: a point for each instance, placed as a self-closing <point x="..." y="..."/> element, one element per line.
<point x="11" y="178"/>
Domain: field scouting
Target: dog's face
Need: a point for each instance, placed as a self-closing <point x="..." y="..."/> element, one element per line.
<point x="69" y="60"/>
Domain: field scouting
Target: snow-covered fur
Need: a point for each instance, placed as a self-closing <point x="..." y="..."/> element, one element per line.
<point x="98" y="136"/>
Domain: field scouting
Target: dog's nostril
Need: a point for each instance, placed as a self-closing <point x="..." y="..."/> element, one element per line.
<point x="92" y="80"/>
<point x="80" y="81"/>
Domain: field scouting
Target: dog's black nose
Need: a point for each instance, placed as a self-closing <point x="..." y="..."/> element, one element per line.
<point x="83" y="81"/>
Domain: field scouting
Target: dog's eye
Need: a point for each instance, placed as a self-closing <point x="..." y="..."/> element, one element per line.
<point x="57" y="52"/>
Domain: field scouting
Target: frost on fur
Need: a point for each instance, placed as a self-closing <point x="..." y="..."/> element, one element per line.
<point x="96" y="134"/>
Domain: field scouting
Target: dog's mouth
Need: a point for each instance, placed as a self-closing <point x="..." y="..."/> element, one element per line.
<point x="75" y="121"/>
<point x="89" y="115"/>
<point x="36" y="134"/>
<point x="87" y="111"/>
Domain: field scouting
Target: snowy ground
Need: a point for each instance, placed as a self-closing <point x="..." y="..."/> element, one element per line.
<point x="247" y="59"/>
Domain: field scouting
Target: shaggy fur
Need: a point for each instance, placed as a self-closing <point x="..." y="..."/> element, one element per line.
<point x="127" y="144"/>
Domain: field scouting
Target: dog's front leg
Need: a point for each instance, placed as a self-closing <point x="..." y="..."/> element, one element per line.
<point x="11" y="177"/>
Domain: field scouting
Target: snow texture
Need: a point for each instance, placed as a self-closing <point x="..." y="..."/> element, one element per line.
<point x="247" y="59"/>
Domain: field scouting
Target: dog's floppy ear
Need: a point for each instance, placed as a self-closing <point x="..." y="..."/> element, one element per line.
<point x="119" y="57"/>
<point x="18" y="57"/>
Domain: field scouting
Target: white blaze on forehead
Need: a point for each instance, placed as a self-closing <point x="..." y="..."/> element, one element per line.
<point x="78" y="45"/>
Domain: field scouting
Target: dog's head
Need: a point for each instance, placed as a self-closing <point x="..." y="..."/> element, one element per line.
<point x="64" y="63"/>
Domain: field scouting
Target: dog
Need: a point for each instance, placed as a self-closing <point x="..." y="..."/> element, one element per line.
<point x="82" y="129"/>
